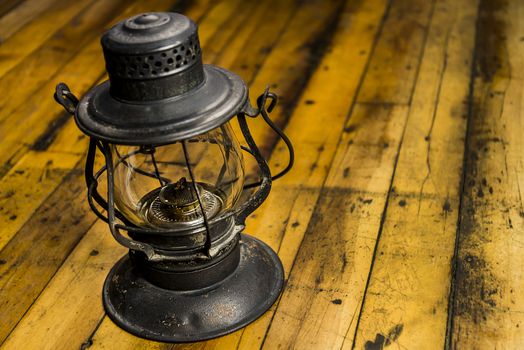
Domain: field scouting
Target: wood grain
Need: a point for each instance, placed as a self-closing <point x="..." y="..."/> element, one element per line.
<point x="18" y="17"/>
<point x="408" y="289"/>
<point x="292" y="39"/>
<point x="66" y="297"/>
<point x="31" y="37"/>
<point x="34" y="254"/>
<point x="25" y="271"/>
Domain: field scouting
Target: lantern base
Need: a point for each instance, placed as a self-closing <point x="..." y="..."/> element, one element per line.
<point x="164" y="315"/>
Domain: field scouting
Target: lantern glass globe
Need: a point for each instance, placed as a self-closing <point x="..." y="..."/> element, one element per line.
<point x="154" y="188"/>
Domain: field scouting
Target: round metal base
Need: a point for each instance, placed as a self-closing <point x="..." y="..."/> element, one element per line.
<point x="148" y="311"/>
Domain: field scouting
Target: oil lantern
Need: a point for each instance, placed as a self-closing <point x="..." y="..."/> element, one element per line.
<point x="176" y="196"/>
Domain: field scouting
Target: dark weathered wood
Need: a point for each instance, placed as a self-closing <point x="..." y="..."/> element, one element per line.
<point x="32" y="257"/>
<point x="488" y="301"/>
<point x="8" y="5"/>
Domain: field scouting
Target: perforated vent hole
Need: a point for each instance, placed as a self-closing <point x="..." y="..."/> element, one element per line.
<point x="154" y="64"/>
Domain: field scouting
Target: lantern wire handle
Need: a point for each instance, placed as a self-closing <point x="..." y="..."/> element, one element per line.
<point x="264" y="112"/>
<point x="65" y="98"/>
<point x="207" y="244"/>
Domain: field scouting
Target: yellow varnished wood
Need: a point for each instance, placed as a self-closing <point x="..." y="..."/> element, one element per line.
<point x="107" y="332"/>
<point x="33" y="255"/>
<point x="26" y="124"/>
<point x="407" y="296"/>
<point x="29" y="38"/>
<point x="21" y="15"/>
<point x="329" y="272"/>
<point x="125" y="338"/>
<point x="35" y="70"/>
<point x="389" y="72"/>
<point x="71" y="301"/>
<point x="389" y="237"/>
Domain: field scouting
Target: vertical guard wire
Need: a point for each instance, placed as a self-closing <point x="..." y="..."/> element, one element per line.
<point x="207" y="244"/>
<point x="265" y="184"/>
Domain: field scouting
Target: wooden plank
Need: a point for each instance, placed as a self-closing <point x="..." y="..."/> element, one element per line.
<point x="297" y="52"/>
<point x="8" y="5"/>
<point x="28" y="77"/>
<point x="26" y="185"/>
<point x="21" y="15"/>
<point x="257" y="36"/>
<point x="34" y="254"/>
<point x="325" y="287"/>
<point x="218" y="40"/>
<point x="328" y="276"/>
<point x="44" y="118"/>
<point x="65" y="313"/>
<point x="406" y="300"/>
<point x="388" y="70"/>
<point x="488" y="306"/>
<point x="31" y="37"/>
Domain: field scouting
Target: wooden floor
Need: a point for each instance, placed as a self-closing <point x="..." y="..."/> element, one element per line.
<point x="401" y="224"/>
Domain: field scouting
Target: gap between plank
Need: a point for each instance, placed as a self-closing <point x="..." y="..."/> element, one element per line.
<point x="454" y="259"/>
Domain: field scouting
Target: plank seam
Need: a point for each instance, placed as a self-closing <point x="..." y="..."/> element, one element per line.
<point x="89" y="341"/>
<point x="454" y="260"/>
<point x="61" y="28"/>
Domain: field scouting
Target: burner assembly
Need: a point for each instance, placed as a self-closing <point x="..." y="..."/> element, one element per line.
<point x="175" y="183"/>
<point x="178" y="204"/>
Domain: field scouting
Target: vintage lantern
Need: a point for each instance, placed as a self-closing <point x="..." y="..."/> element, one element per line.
<point x="175" y="178"/>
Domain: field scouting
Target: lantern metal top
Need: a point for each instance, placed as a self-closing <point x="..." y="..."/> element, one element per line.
<point x="158" y="90"/>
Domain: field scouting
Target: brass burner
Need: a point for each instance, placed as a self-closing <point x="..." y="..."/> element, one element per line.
<point x="177" y="204"/>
